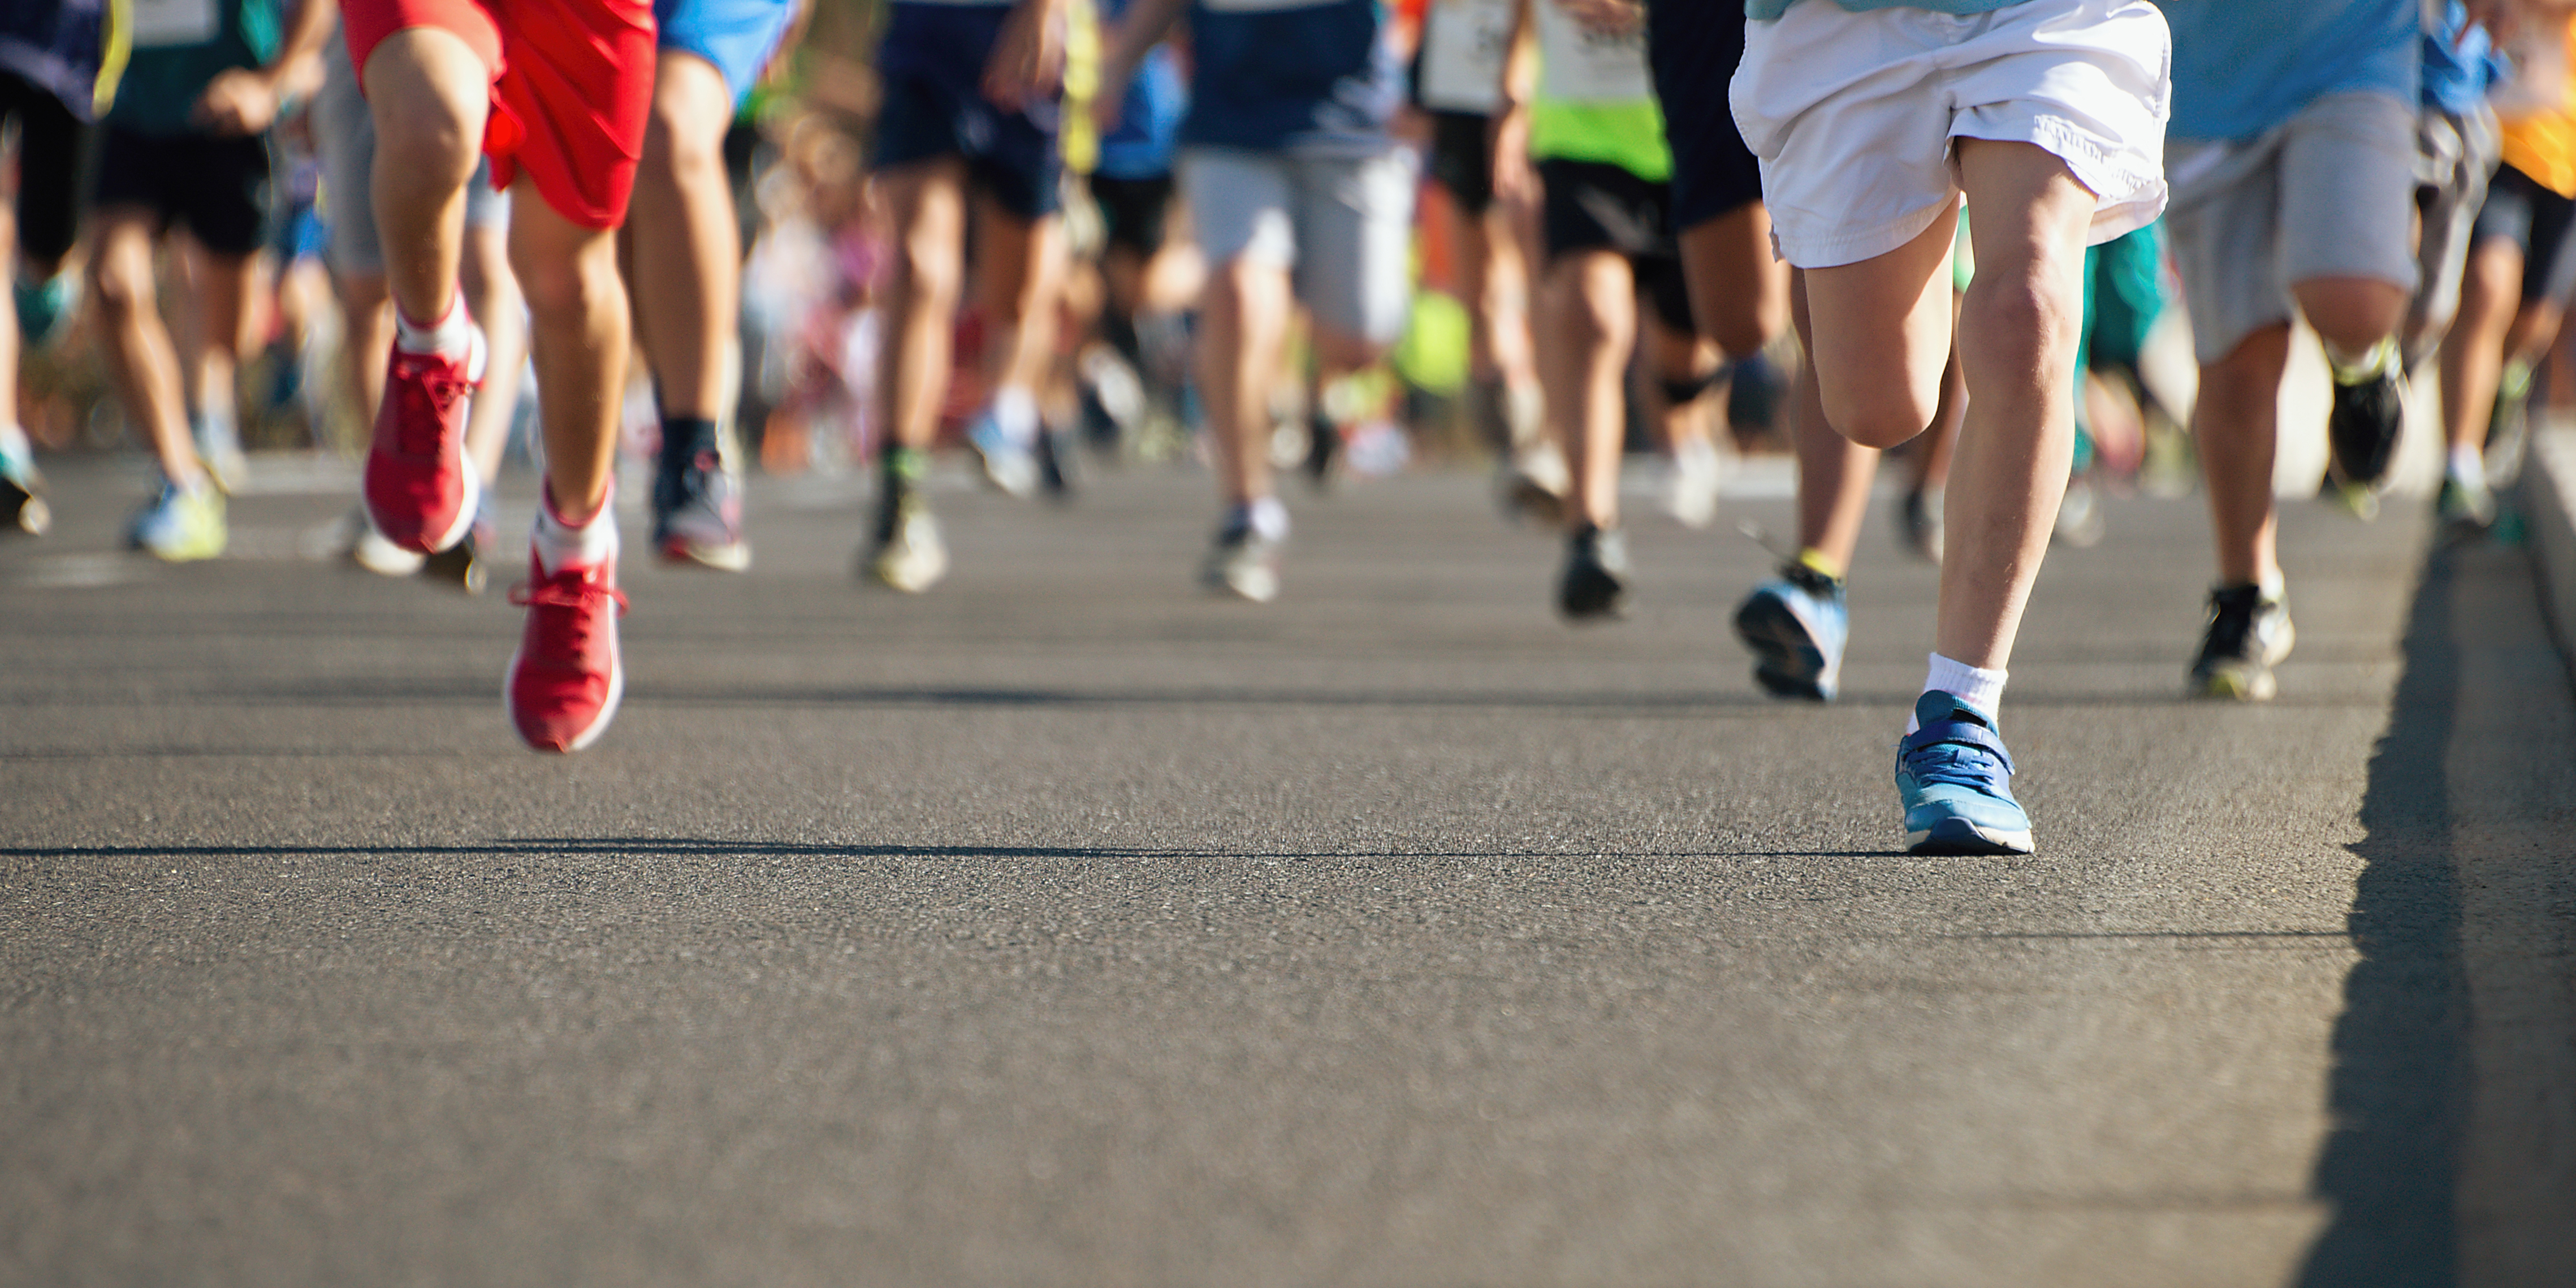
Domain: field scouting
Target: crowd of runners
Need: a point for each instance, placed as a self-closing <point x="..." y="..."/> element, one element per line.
<point x="1055" y="226"/>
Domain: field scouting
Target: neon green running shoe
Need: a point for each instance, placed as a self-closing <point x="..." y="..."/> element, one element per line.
<point x="181" y="524"/>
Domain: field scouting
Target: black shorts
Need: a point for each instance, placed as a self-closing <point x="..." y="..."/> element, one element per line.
<point x="1462" y="159"/>
<point x="2517" y="208"/>
<point x="215" y="187"/>
<point x="1693" y="47"/>
<point x="1592" y="205"/>
<point x="1133" y="212"/>
<point x="49" y="151"/>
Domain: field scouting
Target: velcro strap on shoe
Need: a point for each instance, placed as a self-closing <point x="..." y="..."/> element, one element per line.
<point x="1961" y="733"/>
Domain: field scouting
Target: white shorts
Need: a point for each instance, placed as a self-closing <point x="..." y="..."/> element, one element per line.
<point x="1341" y="225"/>
<point x="1852" y="114"/>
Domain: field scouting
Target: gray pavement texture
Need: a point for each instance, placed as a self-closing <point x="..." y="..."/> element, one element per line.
<point x="1067" y="927"/>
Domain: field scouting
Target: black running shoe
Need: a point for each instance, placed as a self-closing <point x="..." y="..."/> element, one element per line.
<point x="1594" y="585"/>
<point x="2249" y="634"/>
<point x="1323" y="445"/>
<point x="2362" y="428"/>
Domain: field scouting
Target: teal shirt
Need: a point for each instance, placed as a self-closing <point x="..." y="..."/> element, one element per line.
<point x="1767" y="10"/>
<point x="159" y="91"/>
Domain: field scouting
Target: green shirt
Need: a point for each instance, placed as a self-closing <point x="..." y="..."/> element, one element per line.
<point x="1596" y="99"/>
<point x="180" y="46"/>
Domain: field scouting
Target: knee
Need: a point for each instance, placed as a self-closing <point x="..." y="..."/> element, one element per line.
<point x="120" y="278"/>
<point x="570" y="286"/>
<point x="1593" y="302"/>
<point x="435" y="144"/>
<point x="2351" y="313"/>
<point x="679" y="137"/>
<point x="1747" y="320"/>
<point x="1879" y="413"/>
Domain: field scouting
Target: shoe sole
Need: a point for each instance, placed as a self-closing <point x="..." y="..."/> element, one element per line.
<point x="1253" y="588"/>
<point x="457" y="564"/>
<point x="1787" y="663"/>
<point x="913" y="581"/>
<point x="590" y="732"/>
<point x="730" y="557"/>
<point x="1958" y="836"/>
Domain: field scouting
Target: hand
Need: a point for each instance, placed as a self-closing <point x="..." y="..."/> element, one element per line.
<point x="1607" y="17"/>
<point x="239" y="101"/>
<point x="1514" y="180"/>
<point x="1028" y="57"/>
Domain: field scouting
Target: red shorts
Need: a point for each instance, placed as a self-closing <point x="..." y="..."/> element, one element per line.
<point x="572" y="84"/>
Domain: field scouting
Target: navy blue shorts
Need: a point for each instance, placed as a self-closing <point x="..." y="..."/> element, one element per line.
<point x="1693" y="47"/>
<point x="932" y="63"/>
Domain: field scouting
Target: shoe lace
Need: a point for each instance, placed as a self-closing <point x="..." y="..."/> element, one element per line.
<point x="578" y="590"/>
<point x="1960" y="753"/>
<point x="430" y="389"/>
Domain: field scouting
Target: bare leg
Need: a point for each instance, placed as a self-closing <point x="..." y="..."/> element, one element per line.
<point x="2235" y="422"/>
<point x="2474" y="351"/>
<point x="1589" y="319"/>
<point x="492" y="292"/>
<point x="428" y="93"/>
<point x="367" y="333"/>
<point x="926" y="209"/>
<point x="1019" y="274"/>
<point x="1244" y="326"/>
<point x="1739" y="293"/>
<point x="687" y="252"/>
<point x="224" y="304"/>
<point x="1834" y="473"/>
<point x="140" y="356"/>
<point x="581" y="334"/>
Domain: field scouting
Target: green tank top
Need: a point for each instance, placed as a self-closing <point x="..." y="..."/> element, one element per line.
<point x="1596" y="99"/>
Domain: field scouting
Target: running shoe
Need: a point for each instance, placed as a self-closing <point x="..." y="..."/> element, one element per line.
<point x="1955" y="780"/>
<point x="1921" y="524"/>
<point x="2362" y="428"/>
<point x="368" y="548"/>
<point x="1690" y="491"/>
<point x="1796" y="624"/>
<point x="180" y="524"/>
<point x="468" y="563"/>
<point x="697" y="511"/>
<point x="566" y="679"/>
<point x="2249" y="634"/>
<point x="2465" y="507"/>
<point x="419" y="487"/>
<point x="1243" y="563"/>
<point x="1009" y="465"/>
<point x="1055" y="463"/>
<point x="908" y="554"/>
<point x="2509" y="426"/>
<point x="22" y="486"/>
<point x="219" y="449"/>
<point x="1323" y="447"/>
<point x="1533" y="485"/>
<point x="1594" y="585"/>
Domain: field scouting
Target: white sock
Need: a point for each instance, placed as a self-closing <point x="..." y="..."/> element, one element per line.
<point x="560" y="544"/>
<point x="2468" y="464"/>
<point x="14" y="446"/>
<point x="1264" y="517"/>
<point x="216" y="425"/>
<point x="1015" y="413"/>
<point x="448" y="335"/>
<point x="1974" y="685"/>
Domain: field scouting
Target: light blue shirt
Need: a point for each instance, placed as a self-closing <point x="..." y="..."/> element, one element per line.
<point x="2241" y="67"/>
<point x="1766" y="10"/>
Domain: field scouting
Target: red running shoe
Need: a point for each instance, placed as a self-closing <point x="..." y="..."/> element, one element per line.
<point x="566" y="678"/>
<point x="420" y="489"/>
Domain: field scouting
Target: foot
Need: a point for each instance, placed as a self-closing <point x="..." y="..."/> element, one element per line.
<point x="1323" y="447"/>
<point x="1010" y="466"/>
<point x="368" y="548"/>
<point x="1954" y="779"/>
<point x="420" y="489"/>
<point x="1922" y="523"/>
<point x="2249" y="634"/>
<point x="1533" y="485"/>
<point x="908" y="554"/>
<point x="565" y="681"/>
<point x="2509" y="426"/>
<point x="2465" y="507"/>
<point x="219" y="449"/>
<point x="1055" y="463"/>
<point x="22" y="487"/>
<point x="181" y="524"/>
<point x="1796" y="624"/>
<point x="1690" y="493"/>
<point x="697" y="511"/>
<point x="2362" y="428"/>
<point x="1594" y="585"/>
<point x="1243" y="563"/>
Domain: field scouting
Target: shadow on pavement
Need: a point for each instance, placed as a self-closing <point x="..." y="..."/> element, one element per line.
<point x="2401" y="1064"/>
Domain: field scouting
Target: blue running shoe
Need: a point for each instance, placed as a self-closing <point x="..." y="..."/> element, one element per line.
<point x="1010" y="466"/>
<point x="1955" y="780"/>
<point x="1795" y="624"/>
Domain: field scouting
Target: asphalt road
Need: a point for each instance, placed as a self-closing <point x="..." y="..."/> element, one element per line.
<point x="1068" y="927"/>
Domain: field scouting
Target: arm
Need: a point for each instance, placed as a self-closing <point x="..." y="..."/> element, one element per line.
<point x="1509" y="139"/>
<point x="245" y="100"/>
<point x="1144" y="27"/>
<point x="1028" y="58"/>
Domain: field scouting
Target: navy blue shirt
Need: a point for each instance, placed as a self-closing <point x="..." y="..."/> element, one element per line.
<point x="1309" y="76"/>
<point x="56" y="45"/>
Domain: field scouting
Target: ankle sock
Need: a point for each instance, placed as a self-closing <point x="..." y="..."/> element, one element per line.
<point x="1015" y="413"/>
<point x="451" y="334"/>
<point x="1974" y="685"/>
<point x="561" y="542"/>
<point x="1819" y="563"/>
<point x="1263" y="517"/>
<point x="2467" y="464"/>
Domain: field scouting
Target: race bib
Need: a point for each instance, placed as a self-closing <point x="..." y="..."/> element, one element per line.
<point x="160" y="23"/>
<point x="1580" y="65"/>
<point x="1463" y="48"/>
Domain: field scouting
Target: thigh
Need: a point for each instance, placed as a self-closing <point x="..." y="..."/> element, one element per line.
<point x="2347" y="191"/>
<point x="1882" y="326"/>
<point x="2226" y="246"/>
<point x="344" y="135"/>
<point x="1354" y="222"/>
<point x="1240" y="205"/>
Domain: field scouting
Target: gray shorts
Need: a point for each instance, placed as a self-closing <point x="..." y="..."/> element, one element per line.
<point x="1342" y="226"/>
<point x="2329" y="193"/>
<point x="2454" y="155"/>
<point x="345" y="137"/>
